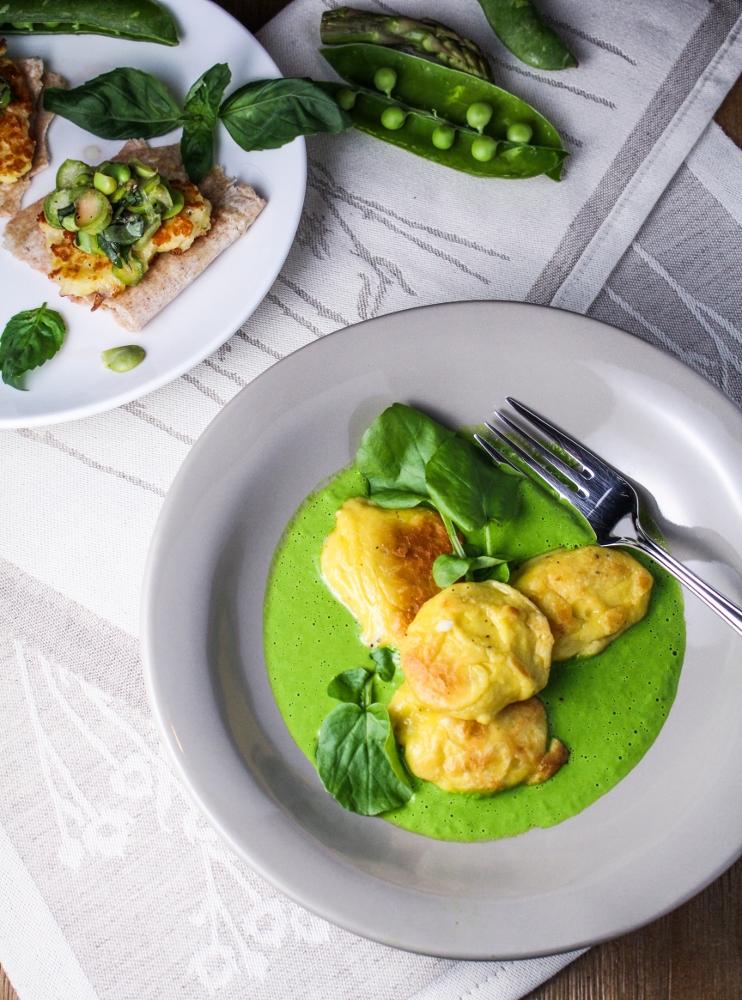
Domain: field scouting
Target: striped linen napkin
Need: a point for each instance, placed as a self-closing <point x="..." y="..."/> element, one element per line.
<point x="113" y="883"/>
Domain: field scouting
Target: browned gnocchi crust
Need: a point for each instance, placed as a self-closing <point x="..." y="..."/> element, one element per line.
<point x="475" y="648"/>
<point x="589" y="595"/>
<point x="379" y="564"/>
<point x="463" y="755"/>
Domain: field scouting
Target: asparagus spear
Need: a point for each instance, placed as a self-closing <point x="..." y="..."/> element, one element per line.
<point x="346" y="25"/>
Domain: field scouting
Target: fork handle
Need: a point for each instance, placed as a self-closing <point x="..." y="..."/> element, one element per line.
<point x="726" y="609"/>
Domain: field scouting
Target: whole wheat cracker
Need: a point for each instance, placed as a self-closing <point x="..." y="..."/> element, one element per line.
<point x="11" y="195"/>
<point x="234" y="208"/>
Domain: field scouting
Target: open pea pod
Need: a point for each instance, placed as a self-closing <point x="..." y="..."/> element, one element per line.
<point x="140" y="20"/>
<point x="432" y="95"/>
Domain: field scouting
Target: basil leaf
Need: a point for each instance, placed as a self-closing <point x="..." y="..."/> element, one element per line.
<point x="469" y="488"/>
<point x="197" y="149"/>
<point x="266" y="114"/>
<point x="357" y="760"/>
<point x="386" y="660"/>
<point x="123" y="104"/>
<point x="29" y="339"/>
<point x="6" y="95"/>
<point x="396" y="448"/>
<point x="350" y="685"/>
<point x="448" y="569"/>
<point x="110" y="250"/>
<point x="201" y="111"/>
<point x="127" y="233"/>
<point x="204" y="97"/>
<point x="398" y="499"/>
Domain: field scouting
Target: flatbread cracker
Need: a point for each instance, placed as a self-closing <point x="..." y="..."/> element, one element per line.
<point x="11" y="195"/>
<point x="234" y="208"/>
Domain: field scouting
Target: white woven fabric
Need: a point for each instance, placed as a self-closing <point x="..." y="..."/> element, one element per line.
<point x="113" y="884"/>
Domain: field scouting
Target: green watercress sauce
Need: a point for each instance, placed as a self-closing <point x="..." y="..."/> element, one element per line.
<point x="608" y="708"/>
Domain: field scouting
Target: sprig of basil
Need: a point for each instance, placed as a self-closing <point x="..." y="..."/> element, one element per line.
<point x="201" y="110"/>
<point x="125" y="103"/>
<point x="29" y="339"/>
<point x="128" y="103"/>
<point x="266" y="114"/>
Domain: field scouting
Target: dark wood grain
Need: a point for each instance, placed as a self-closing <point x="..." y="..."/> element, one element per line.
<point x="694" y="953"/>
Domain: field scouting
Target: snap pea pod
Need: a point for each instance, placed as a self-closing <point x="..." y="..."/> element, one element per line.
<point x="520" y="28"/>
<point x="345" y="25"/>
<point x="140" y="20"/>
<point x="431" y="98"/>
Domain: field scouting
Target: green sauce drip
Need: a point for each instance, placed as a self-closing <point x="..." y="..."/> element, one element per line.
<point x="608" y="709"/>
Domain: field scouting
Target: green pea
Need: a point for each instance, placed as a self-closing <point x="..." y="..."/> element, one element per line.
<point x="104" y="183"/>
<point x="123" y="359"/>
<point x="520" y="132"/>
<point x="346" y="98"/>
<point x="483" y="148"/>
<point x="443" y="137"/>
<point x="478" y="115"/>
<point x="385" y="80"/>
<point x="393" y="118"/>
<point x="119" y="171"/>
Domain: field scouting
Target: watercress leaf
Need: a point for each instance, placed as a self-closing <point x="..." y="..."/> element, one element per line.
<point x="123" y="104"/>
<point x="357" y="760"/>
<point x="396" y="448"/>
<point x="486" y="562"/>
<point x="501" y="573"/>
<point x="386" y="660"/>
<point x="350" y="685"/>
<point x="397" y="499"/>
<point x="469" y="488"/>
<point x="205" y="96"/>
<point x="29" y="339"/>
<point x="448" y="569"/>
<point x="266" y="114"/>
<point x="197" y="149"/>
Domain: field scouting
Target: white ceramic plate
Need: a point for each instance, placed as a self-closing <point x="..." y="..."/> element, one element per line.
<point x="74" y="383"/>
<point x="665" y="831"/>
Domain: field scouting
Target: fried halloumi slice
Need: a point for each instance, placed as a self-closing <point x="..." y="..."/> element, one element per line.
<point x="16" y="144"/>
<point x="475" y="648"/>
<point x="379" y="564"/>
<point x="590" y="596"/>
<point x="463" y="755"/>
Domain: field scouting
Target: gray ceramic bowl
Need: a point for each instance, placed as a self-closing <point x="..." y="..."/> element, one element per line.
<point x="671" y="826"/>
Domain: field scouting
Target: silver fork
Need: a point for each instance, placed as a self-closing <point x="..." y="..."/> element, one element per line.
<point x="601" y="494"/>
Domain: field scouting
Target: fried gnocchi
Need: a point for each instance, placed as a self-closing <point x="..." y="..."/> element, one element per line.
<point x="379" y="564"/>
<point x="463" y="755"/>
<point x="475" y="648"/>
<point x="589" y="595"/>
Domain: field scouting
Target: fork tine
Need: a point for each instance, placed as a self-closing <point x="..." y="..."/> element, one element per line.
<point x="554" y="461"/>
<point x="579" y="452"/>
<point x="556" y="484"/>
<point x="494" y="453"/>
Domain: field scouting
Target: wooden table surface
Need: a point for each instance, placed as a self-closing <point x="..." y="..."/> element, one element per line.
<point x="694" y="953"/>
